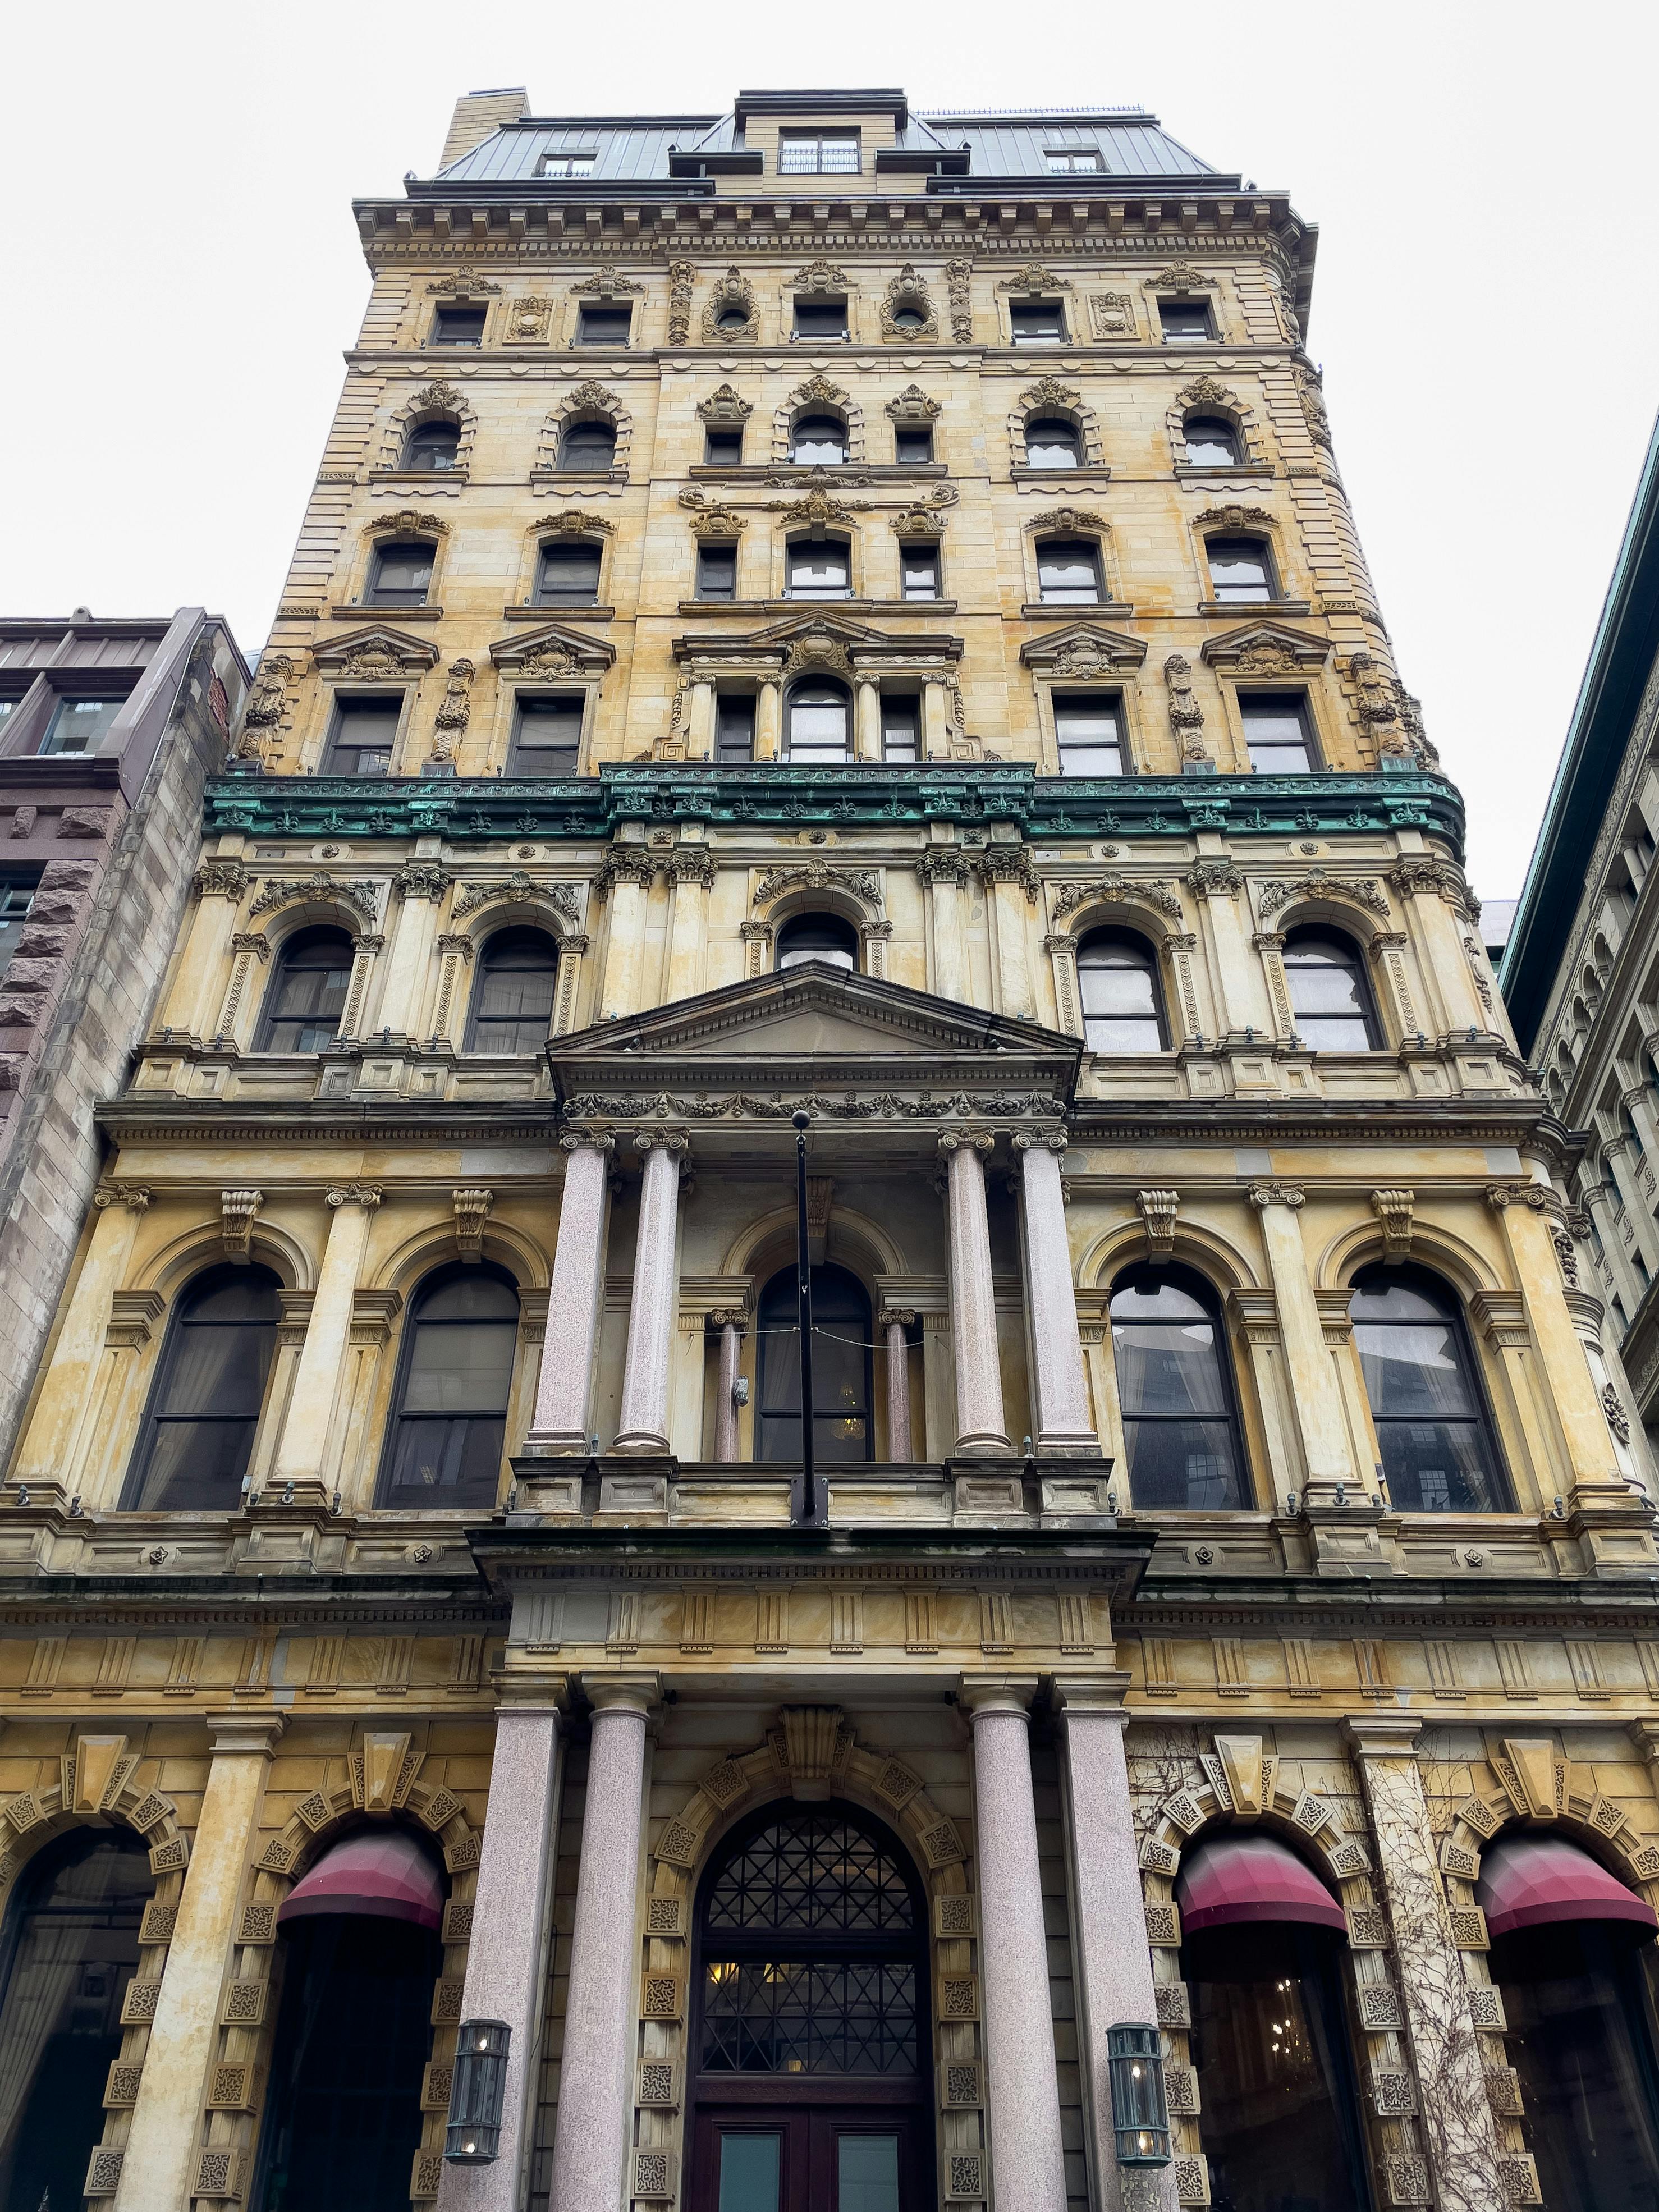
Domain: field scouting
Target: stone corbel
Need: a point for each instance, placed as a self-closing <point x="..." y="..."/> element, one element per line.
<point x="874" y="936"/>
<point x="1393" y="1209"/>
<point x="472" y="1212"/>
<point x="237" y="1210"/>
<point x="1157" y="1210"/>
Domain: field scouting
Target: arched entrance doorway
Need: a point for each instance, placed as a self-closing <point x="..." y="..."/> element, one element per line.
<point x="842" y="1429"/>
<point x="811" y="2049"/>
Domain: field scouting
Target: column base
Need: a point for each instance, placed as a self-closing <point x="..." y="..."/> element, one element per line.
<point x="636" y="1441"/>
<point x="1062" y="1443"/>
<point x="987" y="1442"/>
<point x="556" y="1443"/>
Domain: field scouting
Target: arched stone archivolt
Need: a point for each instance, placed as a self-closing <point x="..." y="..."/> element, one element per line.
<point x="383" y="1789"/>
<point x="1206" y="396"/>
<point x="1049" y="396"/>
<point x="587" y="402"/>
<point x="97" y="1783"/>
<point x="810" y="1755"/>
<point x="438" y="402"/>
<point x="1240" y="1786"/>
<point x="817" y="396"/>
<point x="1152" y="909"/>
<point x="1364" y="1243"/>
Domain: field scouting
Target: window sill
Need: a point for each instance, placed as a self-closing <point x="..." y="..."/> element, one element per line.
<point x="426" y="479"/>
<point x="573" y="479"/>
<point x="520" y="612"/>
<point x="1073" y="610"/>
<point x="73" y="768"/>
<point x="1086" y="472"/>
<point x="1250" y="610"/>
<point x="912" y="606"/>
<point x="366" y="610"/>
<point x="1202" y="472"/>
<point x="722" y="606"/>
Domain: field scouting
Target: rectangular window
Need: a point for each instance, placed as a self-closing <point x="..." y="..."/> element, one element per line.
<point x="364" y="735"/>
<point x="547" y="733"/>
<point x="901" y="727"/>
<point x="918" y="569"/>
<point x="567" y="165"/>
<point x="569" y="575"/>
<point x="603" y="326"/>
<point x="717" y="570"/>
<point x="16" y="896"/>
<point x="1276" y="733"/>
<point x="823" y="320"/>
<point x="79" y="723"/>
<point x="402" y="573"/>
<point x="458" y="326"/>
<point x="818" y="154"/>
<point x="1186" y="322"/>
<point x="734" y="728"/>
<point x="913" y="444"/>
<point x="1240" y="569"/>
<point x="723" y="449"/>
<point x="1037" y="322"/>
<point x="1089" y="726"/>
<point x="7" y="707"/>
<point x="819" y="571"/>
<point x="1081" y="161"/>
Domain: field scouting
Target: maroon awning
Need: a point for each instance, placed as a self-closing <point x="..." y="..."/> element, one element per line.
<point x="1527" y="1881"/>
<point x="381" y="1872"/>
<point x="1240" y="1876"/>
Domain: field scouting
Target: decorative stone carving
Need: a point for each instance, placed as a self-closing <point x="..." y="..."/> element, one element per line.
<point x="462" y="284"/>
<point x="529" y="321"/>
<point x="586" y="401"/>
<point x="709" y="519"/>
<point x="237" y="1210"/>
<point x="1618" y="1419"/>
<point x="682" y="276"/>
<point x="1112" y="315"/>
<point x="914" y="406"/>
<point x="862" y="884"/>
<point x="361" y="897"/>
<point x="1393" y="1209"/>
<point x="1364" y="890"/>
<point x="817" y="510"/>
<point x="454" y="707"/>
<point x="959" y="289"/>
<point x="1036" y="277"/>
<point x="267" y="701"/>
<point x="1186" y="715"/>
<point x="220" y="879"/>
<point x="1080" y="518"/>
<point x="731" y="291"/>
<point x="1156" y="892"/>
<point x="523" y="888"/>
<point x="472" y="1212"/>
<point x="725" y="407"/>
<point x="820" y="652"/>
<point x="380" y="653"/>
<point x="1233" y="519"/>
<point x="607" y="282"/>
<point x="908" y="290"/>
<point x="1308" y="392"/>
<point x="1266" y="649"/>
<point x="820" y="277"/>
<point x="1157" y="1210"/>
<point x="1208" y="879"/>
<point x="1180" y="276"/>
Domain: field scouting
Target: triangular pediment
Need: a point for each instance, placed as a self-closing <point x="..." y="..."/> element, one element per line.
<point x="1265" y="648"/>
<point x="1082" y="648"/>
<point x="559" y="648"/>
<point x="376" y="649"/>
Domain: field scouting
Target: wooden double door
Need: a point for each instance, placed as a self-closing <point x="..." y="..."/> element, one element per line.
<point x="802" y="2157"/>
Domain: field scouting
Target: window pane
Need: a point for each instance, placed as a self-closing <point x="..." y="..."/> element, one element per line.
<point x="1184" y="320"/>
<point x="16" y="897"/>
<point x="77" y="725"/>
<point x="1238" y="569"/>
<point x="365" y="732"/>
<point x="513" y="1010"/>
<point x="723" y="448"/>
<point x="1328" y="995"/>
<point x="604" y="325"/>
<point x="432" y="445"/>
<point x="460" y="1367"/>
<point x="1051" y="443"/>
<point x="567" y="165"/>
<point x="458" y="326"/>
<point x="751" y="2170"/>
<point x="308" y="995"/>
<point x="919" y="572"/>
<point x="1068" y="570"/>
<point x="734" y="728"/>
<point x="1276" y="735"/>
<point x="802" y="155"/>
<point x="819" y="441"/>
<point x="548" y="735"/>
<point x="569" y="575"/>
<point x="1071" y="165"/>
<point x="817" y="726"/>
<point x="821" y="318"/>
<point x="817" y="572"/>
<point x="589" y="447"/>
<point x="717" y="572"/>
<point x="1211" y="443"/>
<point x="1037" y="322"/>
<point x="901" y="727"/>
<point x="912" y="445"/>
<point x="868" y="2175"/>
<point x="402" y="574"/>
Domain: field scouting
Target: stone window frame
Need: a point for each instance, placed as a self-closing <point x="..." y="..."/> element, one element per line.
<point x="800" y="533"/>
<point x="554" y="657"/>
<point x="908" y="288"/>
<point x="400" y="687"/>
<point x="589" y="401"/>
<point x="482" y="911"/>
<point x="1078" y="522"/>
<point x="817" y="395"/>
<point x="1182" y="281"/>
<point x="1097" y="659"/>
<point x="1151" y="909"/>
<point x="617" y="293"/>
<point x="478" y="293"/>
<point x="1206" y="395"/>
<point x="821" y="281"/>
<point x="1238" y="521"/>
<point x="1266" y="656"/>
<point x="1303" y="687"/>
<point x="570" y="524"/>
<point x="513" y="687"/>
<point x="410" y="525"/>
<point x="242" y="1011"/>
<point x="1330" y="902"/>
<point x="1049" y="396"/>
<point x="440" y="401"/>
<point x="734" y="289"/>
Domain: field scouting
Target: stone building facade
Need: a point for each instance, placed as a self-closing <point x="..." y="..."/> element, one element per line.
<point x="829" y="611"/>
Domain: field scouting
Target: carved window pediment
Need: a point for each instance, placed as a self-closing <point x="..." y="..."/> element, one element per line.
<point x="550" y="651"/>
<point x="725" y="407"/>
<point x="1266" y="649"/>
<point x="1084" y="649"/>
<point x="914" y="406"/>
<point x="378" y="651"/>
<point x="1036" y="278"/>
<point x="608" y="283"/>
<point x="731" y="294"/>
<point x="1180" y="277"/>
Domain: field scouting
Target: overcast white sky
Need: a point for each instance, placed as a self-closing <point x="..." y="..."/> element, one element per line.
<point x="182" y="274"/>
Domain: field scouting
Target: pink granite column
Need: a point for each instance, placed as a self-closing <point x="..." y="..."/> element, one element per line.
<point x="596" y="2079"/>
<point x="507" y="1960"/>
<point x="644" y="1427"/>
<point x="896" y="1324"/>
<point x="1113" y="1967"/>
<point x="1028" y="2170"/>
<point x="726" y="1403"/>
<point x="564" y="1387"/>
<point x="1063" y="1424"/>
<point x="973" y="1307"/>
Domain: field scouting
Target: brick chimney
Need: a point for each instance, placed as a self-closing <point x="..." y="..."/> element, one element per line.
<point x="476" y="114"/>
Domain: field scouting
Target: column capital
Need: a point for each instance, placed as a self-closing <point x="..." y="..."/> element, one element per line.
<point x="1376" y="1735"/>
<point x="639" y="1694"/>
<point x="1264" y="1195"/>
<point x="366" y="1194"/>
<point x="135" y="1196"/>
<point x="972" y="1140"/>
<point x="1091" y="1697"/>
<point x="674" y="1142"/>
<point x="723" y="1317"/>
<point x="588" y="1140"/>
<point x="1644" y="1734"/>
<point x="897" y="1317"/>
<point x="981" y="1694"/>
<point x="1041" y="1141"/>
<point x="251" y="1734"/>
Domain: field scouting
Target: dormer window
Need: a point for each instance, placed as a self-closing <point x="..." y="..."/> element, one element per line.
<point x="818" y="154"/>
<point x="567" y="165"/>
<point x="1072" y="162"/>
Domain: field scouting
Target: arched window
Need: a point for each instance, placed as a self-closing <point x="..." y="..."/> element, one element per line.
<point x="1212" y="442"/>
<point x="1426" y="1401"/>
<point x="589" y="448"/>
<point x="567" y="573"/>
<point x="1174" y="1389"/>
<point x="1330" y="995"/>
<point x="448" y="1422"/>
<point x="400" y="574"/>
<point x="820" y="721"/>
<point x="198" y="1437"/>
<point x="1118" y="982"/>
<point x="433" y="445"/>
<point x="359" y="1953"/>
<point x="1052" y="442"/>
<point x="820" y="568"/>
<point x="811" y="2046"/>
<point x="1573" y="1952"/>
<point x="732" y="319"/>
<point x="513" y="1003"/>
<point x="1068" y="571"/>
<point x="841" y="1369"/>
<point x="818" y="442"/>
<point x="818" y="936"/>
<point x="70" y="1949"/>
<point x="1241" y="568"/>
<point x="308" y="992"/>
<point x="1262" y="1942"/>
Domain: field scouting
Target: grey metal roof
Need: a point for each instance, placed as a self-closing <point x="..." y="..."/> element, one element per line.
<point x="1014" y="145"/>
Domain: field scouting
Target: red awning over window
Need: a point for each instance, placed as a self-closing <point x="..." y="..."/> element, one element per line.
<point x="1241" y="1876"/>
<point x="381" y="1872"/>
<point x="1527" y="1881"/>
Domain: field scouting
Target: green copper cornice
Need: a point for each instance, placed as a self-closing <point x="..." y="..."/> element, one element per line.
<point x="492" y="809"/>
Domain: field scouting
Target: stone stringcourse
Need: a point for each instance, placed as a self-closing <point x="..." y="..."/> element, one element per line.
<point x="590" y="807"/>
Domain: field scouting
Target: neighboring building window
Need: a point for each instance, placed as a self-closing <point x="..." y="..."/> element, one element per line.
<point x="818" y="936"/>
<point x="449" y="1409"/>
<point x="1330" y="995"/>
<point x="1068" y="571"/>
<point x="1051" y="442"/>
<point x="432" y="445"/>
<point x="918" y="569"/>
<point x="1088" y="730"/>
<point x="734" y="728"/>
<point x="913" y="444"/>
<point x="513" y="1003"/>
<point x="1212" y="442"/>
<point x="1176" y="1390"/>
<point x="722" y="449"/>
<point x="79" y="723"/>
<point x="1081" y="162"/>
<point x="818" y="154"/>
<point x="818" y="442"/>
<point x="1241" y="568"/>
<point x="820" y="716"/>
<point x="1425" y="1401"/>
<point x="1276" y="733"/>
<point x="198" y="1437"/>
<point x="308" y="992"/>
<point x="901" y="727"/>
<point x="603" y="326"/>
<point x="822" y="320"/>
<point x="717" y="568"/>
<point x="1186" y="322"/>
<point x="547" y="733"/>
<point x="588" y="448"/>
<point x="820" y="568"/>
<point x="364" y="735"/>
<point x="16" y="896"/>
<point x="567" y="573"/>
<point x="1118" y="982"/>
<point x="567" y="165"/>
<point x="1037" y="322"/>
<point x="401" y="574"/>
<point x="458" y="326"/>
